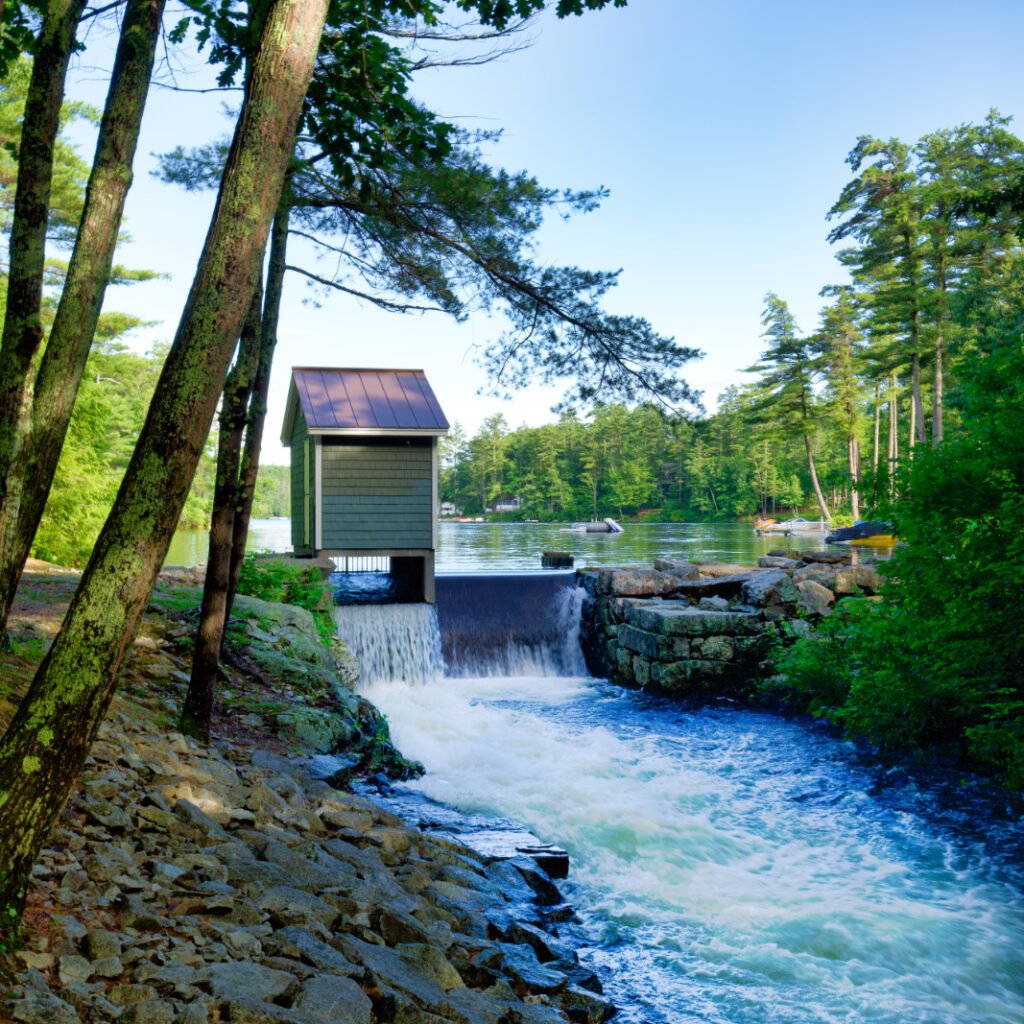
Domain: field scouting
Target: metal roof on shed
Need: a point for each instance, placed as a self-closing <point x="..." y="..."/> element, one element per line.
<point x="349" y="401"/>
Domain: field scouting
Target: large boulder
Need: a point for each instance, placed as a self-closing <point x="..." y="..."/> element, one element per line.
<point x="721" y="569"/>
<point x="823" y="574"/>
<point x="778" y="562"/>
<point x="770" y="589"/>
<point x="632" y="581"/>
<point x="858" y="579"/>
<point x="815" y="598"/>
<point x="826" y="557"/>
<point x="314" y="730"/>
<point x="675" y="618"/>
<point x="674" y="567"/>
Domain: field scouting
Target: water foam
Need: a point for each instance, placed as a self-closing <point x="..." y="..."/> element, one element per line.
<point x="730" y="867"/>
<point x="392" y="641"/>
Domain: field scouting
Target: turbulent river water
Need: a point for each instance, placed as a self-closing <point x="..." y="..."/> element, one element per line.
<point x="728" y="866"/>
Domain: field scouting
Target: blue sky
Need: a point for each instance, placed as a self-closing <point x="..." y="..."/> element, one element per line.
<point x="720" y="128"/>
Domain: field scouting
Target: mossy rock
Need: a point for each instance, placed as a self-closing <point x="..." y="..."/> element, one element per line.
<point x="282" y="643"/>
<point x="316" y="730"/>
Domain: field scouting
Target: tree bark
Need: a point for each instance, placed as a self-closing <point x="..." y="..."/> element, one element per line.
<point x="940" y="344"/>
<point x="260" y="391"/>
<point x="34" y="449"/>
<point x="23" y="327"/>
<point x="853" y="455"/>
<point x="894" y="438"/>
<point x="918" y="433"/>
<point x="44" y="748"/>
<point x="878" y="424"/>
<point x="825" y="514"/>
<point x="197" y="709"/>
<point x="916" y="409"/>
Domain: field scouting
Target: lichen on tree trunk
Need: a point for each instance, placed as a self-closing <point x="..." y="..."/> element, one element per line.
<point x="46" y="744"/>
<point x="23" y="329"/>
<point x="36" y="447"/>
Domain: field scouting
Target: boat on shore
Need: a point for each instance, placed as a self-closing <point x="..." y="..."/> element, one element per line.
<point x="763" y="527"/>
<point x="864" y="534"/>
<point x="597" y="526"/>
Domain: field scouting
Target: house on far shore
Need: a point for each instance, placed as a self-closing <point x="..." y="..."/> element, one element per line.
<point x="364" y="463"/>
<point x="507" y="503"/>
<point x="448" y="509"/>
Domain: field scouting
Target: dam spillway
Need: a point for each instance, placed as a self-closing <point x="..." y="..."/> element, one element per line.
<point x="483" y="624"/>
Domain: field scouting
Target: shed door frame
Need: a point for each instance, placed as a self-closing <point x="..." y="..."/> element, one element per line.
<point x="319" y="500"/>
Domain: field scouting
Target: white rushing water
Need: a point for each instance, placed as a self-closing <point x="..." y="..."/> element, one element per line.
<point x="393" y="641"/>
<point x="730" y="867"/>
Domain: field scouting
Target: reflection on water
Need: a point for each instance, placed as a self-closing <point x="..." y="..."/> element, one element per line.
<point x="189" y="547"/>
<point x="488" y="547"/>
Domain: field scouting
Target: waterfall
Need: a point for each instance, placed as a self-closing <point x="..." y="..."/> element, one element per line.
<point x="392" y="641"/>
<point x="482" y="626"/>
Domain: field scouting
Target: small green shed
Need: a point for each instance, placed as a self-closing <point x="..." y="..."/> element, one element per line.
<point x="364" y="460"/>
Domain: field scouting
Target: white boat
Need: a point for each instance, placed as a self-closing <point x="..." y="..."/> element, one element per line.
<point x="598" y="526"/>
<point x="787" y="527"/>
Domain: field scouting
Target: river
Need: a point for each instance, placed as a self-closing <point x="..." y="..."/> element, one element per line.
<point x="728" y="866"/>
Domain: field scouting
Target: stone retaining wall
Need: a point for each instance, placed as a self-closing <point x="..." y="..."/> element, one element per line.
<point x="705" y="629"/>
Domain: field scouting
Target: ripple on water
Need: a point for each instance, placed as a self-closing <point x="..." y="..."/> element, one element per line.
<point x="729" y="867"/>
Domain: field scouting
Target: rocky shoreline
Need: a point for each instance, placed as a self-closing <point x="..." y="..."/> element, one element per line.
<point x="187" y="885"/>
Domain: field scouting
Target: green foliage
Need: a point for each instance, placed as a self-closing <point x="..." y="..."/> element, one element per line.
<point x="70" y="170"/>
<point x="273" y="492"/>
<point x="109" y="412"/>
<point x="940" y="662"/>
<point x="273" y="579"/>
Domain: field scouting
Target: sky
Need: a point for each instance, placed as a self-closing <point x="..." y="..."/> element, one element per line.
<point x="720" y="128"/>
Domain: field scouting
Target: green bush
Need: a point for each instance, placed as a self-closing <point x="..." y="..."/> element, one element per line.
<point x="940" y="662"/>
<point x="272" y="579"/>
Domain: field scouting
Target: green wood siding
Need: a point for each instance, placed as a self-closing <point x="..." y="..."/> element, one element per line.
<point x="377" y="494"/>
<point x="302" y="453"/>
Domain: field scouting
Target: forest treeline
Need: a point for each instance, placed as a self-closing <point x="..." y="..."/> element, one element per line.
<point x="828" y="418"/>
<point x="638" y="462"/>
<point x="108" y="415"/>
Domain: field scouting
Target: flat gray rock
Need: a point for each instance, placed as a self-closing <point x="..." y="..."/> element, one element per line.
<point x="245" y="982"/>
<point x="301" y="944"/>
<point x="327" y="1000"/>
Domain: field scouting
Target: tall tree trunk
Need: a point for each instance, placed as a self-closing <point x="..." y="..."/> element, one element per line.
<point x="915" y="411"/>
<point x="894" y="438"/>
<point x="825" y="514"/>
<point x="940" y="345"/>
<point x="197" y="709"/>
<point x="918" y="429"/>
<point x="878" y="423"/>
<point x="44" y="748"/>
<point x="33" y="453"/>
<point x="853" y="455"/>
<point x="23" y="326"/>
<point x="276" y="267"/>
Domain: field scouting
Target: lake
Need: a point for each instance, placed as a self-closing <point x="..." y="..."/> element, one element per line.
<point x="496" y="547"/>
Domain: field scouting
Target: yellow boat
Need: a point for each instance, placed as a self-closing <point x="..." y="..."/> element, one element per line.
<point x="864" y="535"/>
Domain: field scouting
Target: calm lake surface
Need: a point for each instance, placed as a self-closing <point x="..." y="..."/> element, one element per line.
<point x="495" y="547"/>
